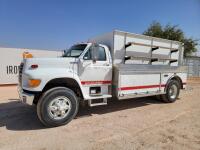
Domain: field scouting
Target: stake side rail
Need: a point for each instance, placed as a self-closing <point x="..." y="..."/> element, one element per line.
<point x="153" y="48"/>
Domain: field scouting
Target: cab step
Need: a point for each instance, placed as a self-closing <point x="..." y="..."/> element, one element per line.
<point x="97" y="102"/>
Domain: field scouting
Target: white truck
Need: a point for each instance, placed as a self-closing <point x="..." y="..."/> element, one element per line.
<point x="117" y="65"/>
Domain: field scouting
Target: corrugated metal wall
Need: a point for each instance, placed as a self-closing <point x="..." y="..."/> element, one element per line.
<point x="193" y="63"/>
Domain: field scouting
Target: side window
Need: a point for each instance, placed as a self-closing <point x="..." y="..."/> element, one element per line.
<point x="101" y="54"/>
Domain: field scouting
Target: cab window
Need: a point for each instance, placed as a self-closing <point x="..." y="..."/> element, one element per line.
<point x="101" y="55"/>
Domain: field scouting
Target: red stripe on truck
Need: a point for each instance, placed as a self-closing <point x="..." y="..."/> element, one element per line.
<point x="124" y="88"/>
<point x="143" y="87"/>
<point x="95" y="82"/>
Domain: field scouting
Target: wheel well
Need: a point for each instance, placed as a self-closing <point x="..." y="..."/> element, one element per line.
<point x="179" y="80"/>
<point x="61" y="82"/>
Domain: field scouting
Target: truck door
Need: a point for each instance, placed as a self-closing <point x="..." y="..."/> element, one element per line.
<point x="96" y="73"/>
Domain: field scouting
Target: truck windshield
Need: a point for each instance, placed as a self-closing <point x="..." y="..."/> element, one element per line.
<point x="75" y="51"/>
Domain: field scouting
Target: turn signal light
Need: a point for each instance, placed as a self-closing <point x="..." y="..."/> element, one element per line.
<point x="34" y="82"/>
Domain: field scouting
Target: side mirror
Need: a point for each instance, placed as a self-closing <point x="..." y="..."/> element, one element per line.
<point x="94" y="52"/>
<point x="64" y="52"/>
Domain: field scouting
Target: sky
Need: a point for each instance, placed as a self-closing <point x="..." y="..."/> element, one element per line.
<point x="57" y="24"/>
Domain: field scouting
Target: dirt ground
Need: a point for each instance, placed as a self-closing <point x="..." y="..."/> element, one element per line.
<point x="143" y="123"/>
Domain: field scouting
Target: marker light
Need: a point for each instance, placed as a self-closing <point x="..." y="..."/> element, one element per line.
<point x="27" y="55"/>
<point x="34" y="82"/>
<point x="34" y="66"/>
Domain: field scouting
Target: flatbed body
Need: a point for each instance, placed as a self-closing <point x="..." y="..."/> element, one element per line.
<point x="139" y="76"/>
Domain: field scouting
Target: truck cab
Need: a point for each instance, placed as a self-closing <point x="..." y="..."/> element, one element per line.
<point x="84" y="72"/>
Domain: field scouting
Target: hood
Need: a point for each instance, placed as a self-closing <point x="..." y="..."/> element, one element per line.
<point x="66" y="62"/>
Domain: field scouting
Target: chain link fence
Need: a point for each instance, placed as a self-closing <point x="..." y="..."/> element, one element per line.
<point x="193" y="63"/>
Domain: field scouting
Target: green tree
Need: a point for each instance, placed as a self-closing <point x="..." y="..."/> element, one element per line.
<point x="172" y="32"/>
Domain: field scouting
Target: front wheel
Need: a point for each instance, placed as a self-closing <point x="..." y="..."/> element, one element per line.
<point x="172" y="92"/>
<point x="57" y="107"/>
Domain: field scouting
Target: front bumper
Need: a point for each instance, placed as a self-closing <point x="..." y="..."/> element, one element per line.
<point x="25" y="97"/>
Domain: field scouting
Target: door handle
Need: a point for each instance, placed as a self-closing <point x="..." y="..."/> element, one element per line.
<point x="87" y="64"/>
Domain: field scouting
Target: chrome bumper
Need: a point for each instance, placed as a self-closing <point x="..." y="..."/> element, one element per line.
<point x="25" y="97"/>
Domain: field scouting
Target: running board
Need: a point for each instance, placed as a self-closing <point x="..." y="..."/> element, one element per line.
<point x="92" y="103"/>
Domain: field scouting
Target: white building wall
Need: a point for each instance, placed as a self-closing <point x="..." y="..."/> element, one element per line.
<point x="10" y="59"/>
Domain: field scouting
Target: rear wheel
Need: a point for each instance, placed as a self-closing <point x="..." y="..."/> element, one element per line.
<point x="57" y="107"/>
<point x="172" y="92"/>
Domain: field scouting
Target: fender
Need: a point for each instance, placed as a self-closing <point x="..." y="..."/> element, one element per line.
<point x="46" y="75"/>
<point x="176" y="77"/>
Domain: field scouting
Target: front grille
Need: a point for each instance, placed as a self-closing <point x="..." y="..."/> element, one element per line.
<point x="20" y="73"/>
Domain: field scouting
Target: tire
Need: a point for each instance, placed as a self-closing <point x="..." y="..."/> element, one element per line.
<point x="172" y="92"/>
<point x="57" y="106"/>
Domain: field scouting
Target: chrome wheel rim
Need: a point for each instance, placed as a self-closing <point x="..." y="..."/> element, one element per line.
<point x="173" y="91"/>
<point x="59" y="107"/>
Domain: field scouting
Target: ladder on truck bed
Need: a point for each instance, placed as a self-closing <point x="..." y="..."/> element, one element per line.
<point x="150" y="57"/>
